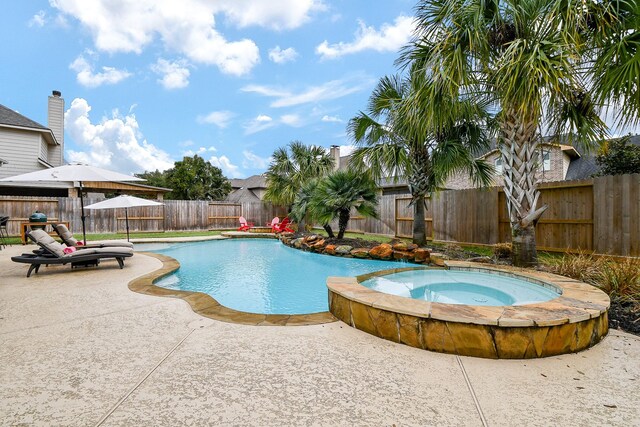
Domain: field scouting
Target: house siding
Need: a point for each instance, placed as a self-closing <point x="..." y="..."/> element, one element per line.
<point x="559" y="166"/>
<point x="21" y="150"/>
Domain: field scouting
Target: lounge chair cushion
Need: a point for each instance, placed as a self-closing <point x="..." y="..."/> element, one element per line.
<point x="66" y="235"/>
<point x="113" y="250"/>
<point x="47" y="242"/>
<point x="108" y="244"/>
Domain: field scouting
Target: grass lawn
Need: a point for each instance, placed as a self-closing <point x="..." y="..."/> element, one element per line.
<point x="112" y="236"/>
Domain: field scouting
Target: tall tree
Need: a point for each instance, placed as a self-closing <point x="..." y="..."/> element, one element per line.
<point x="153" y="178"/>
<point x="618" y="157"/>
<point x="423" y="142"/>
<point x="534" y="60"/>
<point x="341" y="191"/>
<point x="291" y="167"/>
<point x="193" y="178"/>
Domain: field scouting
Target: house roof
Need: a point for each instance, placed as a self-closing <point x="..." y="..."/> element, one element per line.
<point x="242" y="195"/>
<point x="586" y="166"/>
<point x="9" y="118"/>
<point x="254" y="181"/>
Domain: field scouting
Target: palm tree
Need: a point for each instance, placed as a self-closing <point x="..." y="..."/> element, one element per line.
<point x="424" y="145"/>
<point x="291" y="168"/>
<point x="303" y="207"/>
<point x="534" y="60"/>
<point x="341" y="191"/>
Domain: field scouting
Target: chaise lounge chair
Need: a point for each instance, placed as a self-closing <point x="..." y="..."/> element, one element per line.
<point x="54" y="254"/>
<point x="68" y="239"/>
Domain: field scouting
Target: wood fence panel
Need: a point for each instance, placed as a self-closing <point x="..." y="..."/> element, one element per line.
<point x="20" y="208"/>
<point x="616" y="217"/>
<point x="467" y="216"/>
<point x="186" y="215"/>
<point x="224" y="215"/>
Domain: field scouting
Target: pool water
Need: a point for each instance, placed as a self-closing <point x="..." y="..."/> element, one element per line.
<point x="461" y="287"/>
<point x="259" y="275"/>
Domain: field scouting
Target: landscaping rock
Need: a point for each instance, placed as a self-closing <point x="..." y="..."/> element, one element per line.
<point x="481" y="259"/>
<point x="330" y="249"/>
<point x="383" y="251"/>
<point x="360" y="253"/>
<point x="412" y="247"/>
<point x="421" y="255"/>
<point x="403" y="255"/>
<point x="318" y="245"/>
<point x="438" y="259"/>
<point x="344" y="250"/>
<point x="297" y="243"/>
<point x="312" y="238"/>
<point x="401" y="246"/>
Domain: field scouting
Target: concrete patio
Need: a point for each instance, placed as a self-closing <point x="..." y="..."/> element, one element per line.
<point x="79" y="348"/>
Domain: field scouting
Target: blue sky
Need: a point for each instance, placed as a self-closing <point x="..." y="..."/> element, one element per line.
<point x="153" y="80"/>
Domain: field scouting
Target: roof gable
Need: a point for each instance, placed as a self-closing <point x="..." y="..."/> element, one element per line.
<point x="11" y="118"/>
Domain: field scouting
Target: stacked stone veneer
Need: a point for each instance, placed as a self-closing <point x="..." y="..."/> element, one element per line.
<point x="574" y="321"/>
<point x="398" y="252"/>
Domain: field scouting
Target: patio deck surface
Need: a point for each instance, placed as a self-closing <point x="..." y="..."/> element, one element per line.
<point x="79" y="348"/>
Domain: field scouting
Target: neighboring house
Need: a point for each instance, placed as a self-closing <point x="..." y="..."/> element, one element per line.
<point x="27" y="146"/>
<point x="250" y="189"/>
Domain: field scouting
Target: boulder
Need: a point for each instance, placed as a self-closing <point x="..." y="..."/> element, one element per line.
<point x="412" y="247"/>
<point x="383" y="251"/>
<point x="297" y="243"/>
<point x="403" y="255"/>
<point x="318" y="245"/>
<point x="343" y="250"/>
<point x="421" y="255"/>
<point x="400" y="246"/>
<point x="311" y="238"/>
<point x="330" y="249"/>
<point x="360" y="252"/>
<point x="438" y="259"/>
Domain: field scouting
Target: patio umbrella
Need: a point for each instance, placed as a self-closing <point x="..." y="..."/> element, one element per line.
<point x="75" y="172"/>
<point x="125" y="202"/>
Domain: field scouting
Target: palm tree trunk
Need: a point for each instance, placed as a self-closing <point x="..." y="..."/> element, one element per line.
<point x="518" y="150"/>
<point x="419" y="226"/>
<point x="329" y="230"/>
<point x="343" y="220"/>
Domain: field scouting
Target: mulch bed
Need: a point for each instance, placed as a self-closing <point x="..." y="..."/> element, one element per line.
<point x="625" y="316"/>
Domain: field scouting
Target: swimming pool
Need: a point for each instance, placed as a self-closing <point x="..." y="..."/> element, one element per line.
<point x="461" y="287"/>
<point x="259" y="275"/>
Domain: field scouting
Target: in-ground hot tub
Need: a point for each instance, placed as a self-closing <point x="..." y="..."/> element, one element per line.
<point x="503" y="313"/>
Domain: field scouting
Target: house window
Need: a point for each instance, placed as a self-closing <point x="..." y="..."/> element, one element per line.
<point x="546" y="160"/>
<point x="497" y="164"/>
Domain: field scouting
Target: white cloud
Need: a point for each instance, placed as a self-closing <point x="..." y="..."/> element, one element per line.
<point x="187" y="27"/>
<point x="390" y="38"/>
<point x="330" y="90"/>
<point x="218" y="118"/>
<point x="39" y="19"/>
<point x="187" y="143"/>
<point x="260" y="123"/>
<point x="228" y="169"/>
<point x="331" y="119"/>
<point x="200" y="151"/>
<point x="86" y="77"/>
<point x="291" y="120"/>
<point x="280" y="56"/>
<point x="253" y="161"/>
<point x="175" y="75"/>
<point x="115" y="143"/>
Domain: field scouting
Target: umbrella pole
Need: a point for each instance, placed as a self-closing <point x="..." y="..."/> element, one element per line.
<point x="84" y="230"/>
<point x="126" y="218"/>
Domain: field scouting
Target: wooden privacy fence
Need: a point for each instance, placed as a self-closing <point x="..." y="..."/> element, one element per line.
<point x="174" y="215"/>
<point x="600" y="215"/>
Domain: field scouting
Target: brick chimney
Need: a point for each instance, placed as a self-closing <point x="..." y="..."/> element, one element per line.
<point x="55" y="115"/>
<point x="334" y="152"/>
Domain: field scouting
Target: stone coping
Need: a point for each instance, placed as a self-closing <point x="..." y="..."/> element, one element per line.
<point x="205" y="305"/>
<point x="577" y="301"/>
<point x="247" y="234"/>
